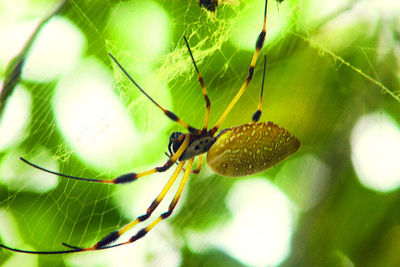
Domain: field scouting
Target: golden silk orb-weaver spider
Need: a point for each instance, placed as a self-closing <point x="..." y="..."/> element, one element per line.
<point x="238" y="151"/>
<point x="210" y="5"/>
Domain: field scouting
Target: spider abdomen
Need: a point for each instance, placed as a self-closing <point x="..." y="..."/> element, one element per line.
<point x="250" y="148"/>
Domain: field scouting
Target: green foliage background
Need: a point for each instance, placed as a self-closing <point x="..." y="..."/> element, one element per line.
<point x="318" y="85"/>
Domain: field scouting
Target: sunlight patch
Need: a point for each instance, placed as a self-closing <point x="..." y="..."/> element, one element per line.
<point x="350" y="21"/>
<point x="92" y="118"/>
<point x="8" y="231"/>
<point x="10" y="236"/>
<point x="16" y="117"/>
<point x="14" y="8"/>
<point x="388" y="9"/>
<point x="346" y="28"/>
<point x="13" y="38"/>
<point x="248" y="25"/>
<point x="56" y="51"/>
<point x="145" y="32"/>
<point x="305" y="180"/>
<point x="19" y="176"/>
<point x="263" y="217"/>
<point x="317" y="11"/>
<point x="17" y="23"/>
<point x="375" y="143"/>
<point x="260" y="231"/>
<point x="148" y="118"/>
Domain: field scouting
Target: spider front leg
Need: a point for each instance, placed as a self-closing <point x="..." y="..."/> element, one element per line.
<point x="128" y="177"/>
<point x="259" y="45"/>
<point x="141" y="233"/>
<point x="168" y="113"/>
<point x="113" y="236"/>
<point x="103" y="244"/>
<point x="203" y="88"/>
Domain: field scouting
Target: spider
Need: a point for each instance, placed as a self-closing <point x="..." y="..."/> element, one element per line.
<point x="242" y="150"/>
<point x="210" y="5"/>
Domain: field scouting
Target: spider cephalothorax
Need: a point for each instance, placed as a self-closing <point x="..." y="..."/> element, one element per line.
<point x="198" y="144"/>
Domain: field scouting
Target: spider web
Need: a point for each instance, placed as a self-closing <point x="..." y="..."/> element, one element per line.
<point x="308" y="77"/>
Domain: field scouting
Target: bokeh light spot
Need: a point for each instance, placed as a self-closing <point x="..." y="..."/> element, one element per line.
<point x="55" y="51"/>
<point x="260" y="231"/>
<point x="93" y="119"/>
<point x="15" y="118"/>
<point x="10" y="235"/>
<point x="19" y="176"/>
<point x="304" y="179"/>
<point x="248" y="25"/>
<point x="13" y="38"/>
<point x="375" y="143"/>
<point x="146" y="29"/>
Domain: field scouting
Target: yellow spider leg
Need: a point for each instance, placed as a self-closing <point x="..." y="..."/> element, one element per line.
<point x="203" y="88"/>
<point x="171" y="207"/>
<point x="259" y="45"/>
<point x="116" y="234"/>
<point x="129" y="177"/>
<point x="125" y="178"/>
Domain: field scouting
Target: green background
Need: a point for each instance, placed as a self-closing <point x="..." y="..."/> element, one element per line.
<point x="327" y="66"/>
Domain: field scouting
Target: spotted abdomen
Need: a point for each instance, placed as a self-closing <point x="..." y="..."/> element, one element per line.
<point x="250" y="148"/>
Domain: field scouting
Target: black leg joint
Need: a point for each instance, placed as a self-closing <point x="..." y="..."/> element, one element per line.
<point x="260" y="40"/>
<point x="107" y="240"/>
<point x="171" y="115"/>
<point x="251" y="72"/>
<point x="125" y="178"/>
<point x="166" y="214"/>
<point x="208" y="103"/>
<point x="165" y="167"/>
<point x="140" y="234"/>
<point x="153" y="206"/>
<point x="144" y="217"/>
<point x="256" y="116"/>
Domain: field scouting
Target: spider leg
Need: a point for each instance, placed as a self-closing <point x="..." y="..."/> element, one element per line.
<point x="40" y="252"/>
<point x="111" y="237"/>
<point x="198" y="168"/>
<point x="102" y="244"/>
<point x="259" y="45"/>
<point x="257" y="114"/>
<point x="203" y="88"/>
<point x="199" y="162"/>
<point x="168" y="113"/>
<point x="125" y="178"/>
<point x="141" y="233"/>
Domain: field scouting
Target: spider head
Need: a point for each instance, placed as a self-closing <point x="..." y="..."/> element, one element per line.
<point x="198" y="145"/>
<point x="175" y="141"/>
